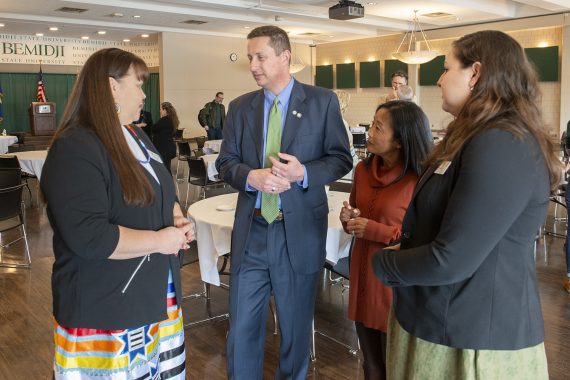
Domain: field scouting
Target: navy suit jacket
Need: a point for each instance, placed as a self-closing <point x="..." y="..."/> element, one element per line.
<point x="317" y="138"/>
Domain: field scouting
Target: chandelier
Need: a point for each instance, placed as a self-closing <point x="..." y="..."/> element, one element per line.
<point x="414" y="55"/>
<point x="297" y="63"/>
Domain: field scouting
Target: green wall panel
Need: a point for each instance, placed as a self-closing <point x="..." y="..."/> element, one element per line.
<point x="545" y="61"/>
<point x="345" y="75"/>
<point x="369" y="74"/>
<point x="431" y="71"/>
<point x="390" y="66"/>
<point x="20" y="89"/>
<point x="324" y="76"/>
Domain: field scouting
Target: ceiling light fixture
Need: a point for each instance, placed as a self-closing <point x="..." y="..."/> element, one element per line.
<point x="102" y="32"/>
<point x="136" y="16"/>
<point x="84" y="37"/>
<point x="53" y="28"/>
<point x="2" y="25"/>
<point x="144" y="35"/>
<point x="126" y="40"/>
<point x="415" y="55"/>
<point x="39" y="34"/>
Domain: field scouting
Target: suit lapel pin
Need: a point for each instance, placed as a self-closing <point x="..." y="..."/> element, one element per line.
<point x="294" y="113"/>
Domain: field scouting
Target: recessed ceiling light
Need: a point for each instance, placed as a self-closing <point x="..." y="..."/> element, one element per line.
<point x="543" y="44"/>
<point x="371" y="3"/>
<point x="102" y="32"/>
<point x="331" y="36"/>
<point x="136" y="16"/>
<point x="247" y="27"/>
<point x="39" y="34"/>
<point x="126" y="40"/>
<point x="2" y="25"/>
<point x="84" y="37"/>
<point x="144" y="35"/>
<point x="53" y="28"/>
<point x="117" y="14"/>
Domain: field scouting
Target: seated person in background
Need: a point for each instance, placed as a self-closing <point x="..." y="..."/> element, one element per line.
<point x="398" y="142"/>
<point x="145" y="123"/>
<point x="405" y="92"/>
<point x="399" y="78"/>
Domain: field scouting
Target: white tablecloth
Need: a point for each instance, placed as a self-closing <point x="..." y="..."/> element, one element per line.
<point x="214" y="218"/>
<point x="5" y="141"/>
<point x="32" y="162"/>
<point x="212" y="146"/>
<point x="210" y="162"/>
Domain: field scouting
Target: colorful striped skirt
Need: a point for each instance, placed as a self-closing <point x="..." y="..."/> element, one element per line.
<point x="154" y="351"/>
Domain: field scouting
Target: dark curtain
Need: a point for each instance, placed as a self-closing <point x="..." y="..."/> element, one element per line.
<point x="20" y="89"/>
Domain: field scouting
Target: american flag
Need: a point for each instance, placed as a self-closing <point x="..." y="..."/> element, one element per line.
<point x="41" y="97"/>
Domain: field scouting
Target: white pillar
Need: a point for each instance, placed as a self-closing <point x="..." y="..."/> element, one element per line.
<point x="565" y="75"/>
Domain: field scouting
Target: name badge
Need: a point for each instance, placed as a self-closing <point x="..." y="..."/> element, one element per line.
<point x="155" y="156"/>
<point x="442" y="168"/>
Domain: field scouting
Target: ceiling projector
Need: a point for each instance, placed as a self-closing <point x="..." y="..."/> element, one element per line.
<point x="346" y="10"/>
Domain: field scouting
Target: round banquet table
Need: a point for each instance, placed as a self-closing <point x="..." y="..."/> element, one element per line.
<point x="5" y="142"/>
<point x="214" y="218"/>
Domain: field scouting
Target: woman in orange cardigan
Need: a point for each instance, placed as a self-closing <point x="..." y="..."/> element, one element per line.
<point x="398" y="141"/>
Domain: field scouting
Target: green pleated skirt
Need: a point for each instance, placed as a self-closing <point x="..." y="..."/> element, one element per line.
<point x="409" y="357"/>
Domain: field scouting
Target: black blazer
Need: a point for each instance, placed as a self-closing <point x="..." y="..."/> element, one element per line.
<point x="315" y="134"/>
<point x="465" y="274"/>
<point x="85" y="206"/>
<point x="163" y="138"/>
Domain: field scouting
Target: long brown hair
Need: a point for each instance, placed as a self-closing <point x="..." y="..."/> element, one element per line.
<point x="171" y="113"/>
<point x="506" y="96"/>
<point x="91" y="105"/>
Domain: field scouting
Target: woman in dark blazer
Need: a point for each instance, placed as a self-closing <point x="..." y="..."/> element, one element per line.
<point x="163" y="132"/>
<point x="466" y="302"/>
<point x="117" y="232"/>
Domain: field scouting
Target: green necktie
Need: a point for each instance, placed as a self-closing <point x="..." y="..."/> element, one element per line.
<point x="270" y="202"/>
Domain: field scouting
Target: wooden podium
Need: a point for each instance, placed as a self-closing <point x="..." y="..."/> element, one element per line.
<point x="42" y="118"/>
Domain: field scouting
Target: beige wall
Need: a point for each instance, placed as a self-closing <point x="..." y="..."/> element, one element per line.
<point x="364" y="101"/>
<point x="193" y="68"/>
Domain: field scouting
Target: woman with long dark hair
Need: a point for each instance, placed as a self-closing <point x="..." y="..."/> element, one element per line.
<point x="117" y="232"/>
<point x="466" y="302"/>
<point x="399" y="140"/>
<point x="163" y="132"/>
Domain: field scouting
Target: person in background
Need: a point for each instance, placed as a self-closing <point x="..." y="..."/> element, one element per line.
<point x="399" y="140"/>
<point x="399" y="78"/>
<point x="282" y="144"/>
<point x="117" y="230"/>
<point x="405" y="92"/>
<point x="215" y="117"/>
<point x="145" y="123"/>
<point x="466" y="303"/>
<point x="566" y="147"/>
<point x="163" y="133"/>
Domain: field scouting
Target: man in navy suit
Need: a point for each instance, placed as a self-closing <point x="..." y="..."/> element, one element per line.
<point x="283" y="254"/>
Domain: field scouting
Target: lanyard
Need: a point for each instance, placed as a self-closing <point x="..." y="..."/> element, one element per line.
<point x="141" y="144"/>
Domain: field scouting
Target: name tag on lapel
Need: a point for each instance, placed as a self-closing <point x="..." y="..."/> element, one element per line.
<point x="155" y="156"/>
<point x="442" y="168"/>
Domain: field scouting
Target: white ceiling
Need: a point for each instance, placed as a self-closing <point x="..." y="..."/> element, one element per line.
<point x="306" y="21"/>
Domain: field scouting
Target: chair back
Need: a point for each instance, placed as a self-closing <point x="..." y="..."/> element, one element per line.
<point x="197" y="171"/>
<point x="183" y="149"/>
<point x="359" y="139"/>
<point x="345" y="187"/>
<point x="178" y="134"/>
<point x="11" y="203"/>
<point x="215" y="191"/>
<point x="9" y="162"/>
<point x="200" y="141"/>
<point x="10" y="177"/>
